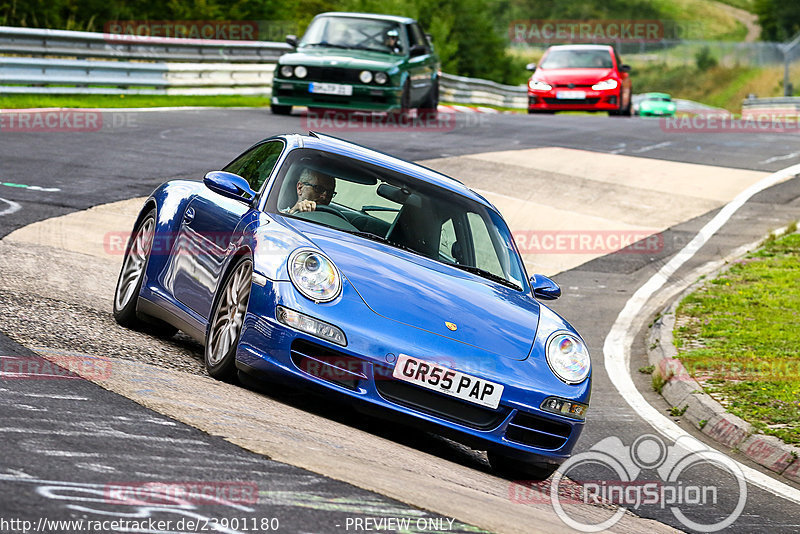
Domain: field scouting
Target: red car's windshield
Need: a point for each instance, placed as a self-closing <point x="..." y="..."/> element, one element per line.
<point x="577" y="59"/>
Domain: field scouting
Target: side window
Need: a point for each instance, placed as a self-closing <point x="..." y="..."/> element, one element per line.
<point x="485" y="253"/>
<point x="256" y="165"/>
<point x="416" y="37"/>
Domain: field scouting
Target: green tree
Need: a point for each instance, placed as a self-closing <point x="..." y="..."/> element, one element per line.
<point x="779" y="19"/>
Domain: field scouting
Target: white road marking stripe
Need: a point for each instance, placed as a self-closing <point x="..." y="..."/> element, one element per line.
<point x="616" y="348"/>
<point x="652" y="147"/>
<point x="780" y="158"/>
<point x="12" y="207"/>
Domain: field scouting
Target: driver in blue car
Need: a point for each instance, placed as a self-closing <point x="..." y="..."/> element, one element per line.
<point x="313" y="188"/>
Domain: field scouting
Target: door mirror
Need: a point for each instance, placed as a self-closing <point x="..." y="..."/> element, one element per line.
<point x="292" y="40"/>
<point x="531" y="67"/>
<point x="625" y="68"/>
<point x="544" y="288"/>
<point x="417" y="50"/>
<point x="229" y="185"/>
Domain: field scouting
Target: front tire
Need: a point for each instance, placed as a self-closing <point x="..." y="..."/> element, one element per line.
<point x="519" y="470"/>
<point x="280" y="110"/>
<point x="227" y="319"/>
<point x="131" y="276"/>
<point x="430" y="108"/>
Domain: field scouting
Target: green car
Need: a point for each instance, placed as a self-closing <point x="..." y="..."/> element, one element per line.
<point x="656" y="105"/>
<point x="358" y="61"/>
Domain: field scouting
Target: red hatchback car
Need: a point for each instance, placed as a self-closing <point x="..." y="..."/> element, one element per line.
<point x="580" y="78"/>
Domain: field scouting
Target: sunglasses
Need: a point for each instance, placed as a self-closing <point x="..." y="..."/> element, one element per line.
<point x="320" y="190"/>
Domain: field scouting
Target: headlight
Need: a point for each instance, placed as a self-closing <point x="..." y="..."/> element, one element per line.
<point x="286" y="71"/>
<point x="671" y="107"/>
<point x="381" y="78"/>
<point x="365" y="76"/>
<point x="568" y="357"/>
<point x="538" y="85"/>
<point x="314" y="275"/>
<point x="300" y="71"/>
<point x="605" y="84"/>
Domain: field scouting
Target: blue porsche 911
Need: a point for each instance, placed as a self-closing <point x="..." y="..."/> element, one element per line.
<point x="311" y="260"/>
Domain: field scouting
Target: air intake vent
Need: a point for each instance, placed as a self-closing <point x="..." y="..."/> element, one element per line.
<point x="537" y="431"/>
<point x="326" y="364"/>
<point x="436" y="404"/>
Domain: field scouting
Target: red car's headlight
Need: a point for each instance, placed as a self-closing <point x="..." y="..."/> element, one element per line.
<point x="611" y="83"/>
<point x="538" y="85"/>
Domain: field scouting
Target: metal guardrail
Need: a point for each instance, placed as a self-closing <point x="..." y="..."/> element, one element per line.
<point x="40" y="43"/>
<point x="462" y="90"/>
<point x="777" y="106"/>
<point x="114" y="64"/>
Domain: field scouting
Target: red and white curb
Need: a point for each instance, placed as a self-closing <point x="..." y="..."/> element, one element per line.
<point x="683" y="392"/>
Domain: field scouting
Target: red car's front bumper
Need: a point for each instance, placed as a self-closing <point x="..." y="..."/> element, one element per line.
<point x="608" y="100"/>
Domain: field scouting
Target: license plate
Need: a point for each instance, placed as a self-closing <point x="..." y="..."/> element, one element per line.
<point x="330" y="89"/>
<point x="571" y="95"/>
<point x="448" y="381"/>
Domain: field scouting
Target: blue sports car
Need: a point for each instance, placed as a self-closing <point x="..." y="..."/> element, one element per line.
<point x="311" y="260"/>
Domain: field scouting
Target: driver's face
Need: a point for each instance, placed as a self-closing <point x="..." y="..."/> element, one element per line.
<point x="316" y="187"/>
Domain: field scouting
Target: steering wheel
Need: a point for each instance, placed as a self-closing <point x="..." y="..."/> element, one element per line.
<point x="328" y="209"/>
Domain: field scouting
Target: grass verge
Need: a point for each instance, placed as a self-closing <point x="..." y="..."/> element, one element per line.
<point x="739" y="334"/>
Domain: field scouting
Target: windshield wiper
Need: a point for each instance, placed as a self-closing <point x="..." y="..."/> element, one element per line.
<point x="485" y="274"/>
<point x="381" y="239"/>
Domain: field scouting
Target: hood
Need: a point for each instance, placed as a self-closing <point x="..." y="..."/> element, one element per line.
<point x="576" y="76"/>
<point x="422" y="293"/>
<point x="346" y="59"/>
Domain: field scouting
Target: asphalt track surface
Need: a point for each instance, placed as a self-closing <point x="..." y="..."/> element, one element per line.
<point x="137" y="151"/>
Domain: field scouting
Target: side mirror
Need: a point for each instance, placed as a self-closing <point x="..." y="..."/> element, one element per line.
<point x="417" y="50"/>
<point x="544" y="288"/>
<point x="229" y="185"/>
<point x="430" y="37"/>
<point x="292" y="40"/>
<point x="625" y="68"/>
<point x="531" y="67"/>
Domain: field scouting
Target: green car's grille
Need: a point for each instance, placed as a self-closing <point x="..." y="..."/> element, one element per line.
<point x="332" y="74"/>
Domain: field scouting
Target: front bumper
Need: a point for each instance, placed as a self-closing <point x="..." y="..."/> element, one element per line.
<point x="363" y="371"/>
<point x="365" y="97"/>
<point x="608" y="100"/>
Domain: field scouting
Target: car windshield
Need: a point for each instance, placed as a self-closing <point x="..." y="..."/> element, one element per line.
<point x="398" y="210"/>
<point x="354" y="33"/>
<point x="658" y="99"/>
<point x="577" y="59"/>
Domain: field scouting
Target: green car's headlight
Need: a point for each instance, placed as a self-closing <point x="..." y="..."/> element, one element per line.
<point x="381" y="78"/>
<point x="286" y="71"/>
<point x="365" y="76"/>
<point x="568" y="357"/>
<point x="314" y="275"/>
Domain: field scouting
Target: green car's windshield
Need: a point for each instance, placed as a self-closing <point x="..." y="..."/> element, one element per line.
<point x="354" y="33"/>
<point x="577" y="59"/>
<point x="399" y="210"/>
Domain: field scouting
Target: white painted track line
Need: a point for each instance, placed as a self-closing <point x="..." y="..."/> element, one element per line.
<point x="617" y="346"/>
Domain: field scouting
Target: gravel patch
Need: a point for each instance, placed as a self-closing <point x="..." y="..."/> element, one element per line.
<point x="57" y="301"/>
